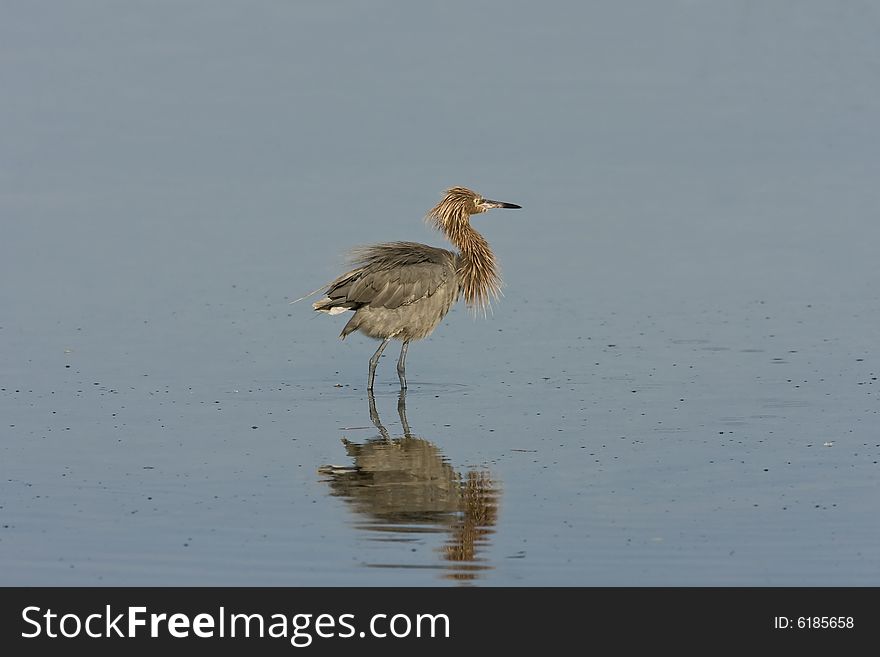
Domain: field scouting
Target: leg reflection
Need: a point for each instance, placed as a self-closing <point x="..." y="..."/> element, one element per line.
<point x="401" y="411"/>
<point x="406" y="486"/>
<point x="374" y="416"/>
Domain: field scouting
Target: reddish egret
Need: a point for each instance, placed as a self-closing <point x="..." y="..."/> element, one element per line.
<point x="402" y="290"/>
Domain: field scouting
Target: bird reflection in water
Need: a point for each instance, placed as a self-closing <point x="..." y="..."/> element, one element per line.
<point x="406" y="486"/>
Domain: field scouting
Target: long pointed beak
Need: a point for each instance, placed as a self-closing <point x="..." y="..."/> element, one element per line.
<point x="500" y="204"/>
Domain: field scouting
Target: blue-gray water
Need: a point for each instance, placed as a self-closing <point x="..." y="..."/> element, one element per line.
<point x="679" y="386"/>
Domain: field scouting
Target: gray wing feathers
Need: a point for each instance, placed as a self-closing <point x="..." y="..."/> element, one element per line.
<point x="392" y="275"/>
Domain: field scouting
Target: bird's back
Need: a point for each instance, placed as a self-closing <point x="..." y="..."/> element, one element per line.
<point x="397" y="289"/>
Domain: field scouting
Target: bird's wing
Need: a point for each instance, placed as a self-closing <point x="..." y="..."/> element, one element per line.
<point x="394" y="275"/>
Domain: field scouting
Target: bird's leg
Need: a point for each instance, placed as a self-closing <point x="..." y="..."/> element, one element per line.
<point x="401" y="365"/>
<point x="375" y="361"/>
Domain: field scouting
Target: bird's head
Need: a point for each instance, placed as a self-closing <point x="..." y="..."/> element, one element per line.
<point x="459" y="204"/>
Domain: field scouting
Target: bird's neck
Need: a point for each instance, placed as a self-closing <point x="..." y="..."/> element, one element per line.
<point x="478" y="277"/>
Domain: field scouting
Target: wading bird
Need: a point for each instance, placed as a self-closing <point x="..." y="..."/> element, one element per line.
<point x="401" y="290"/>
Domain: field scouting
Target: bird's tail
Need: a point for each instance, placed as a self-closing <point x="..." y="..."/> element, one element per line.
<point x="331" y="306"/>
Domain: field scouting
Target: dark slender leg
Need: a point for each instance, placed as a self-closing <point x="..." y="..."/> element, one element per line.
<point x="401" y="411"/>
<point x="401" y="365"/>
<point x="375" y="361"/>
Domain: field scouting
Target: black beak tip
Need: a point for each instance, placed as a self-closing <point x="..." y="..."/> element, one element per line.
<point x="502" y="204"/>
